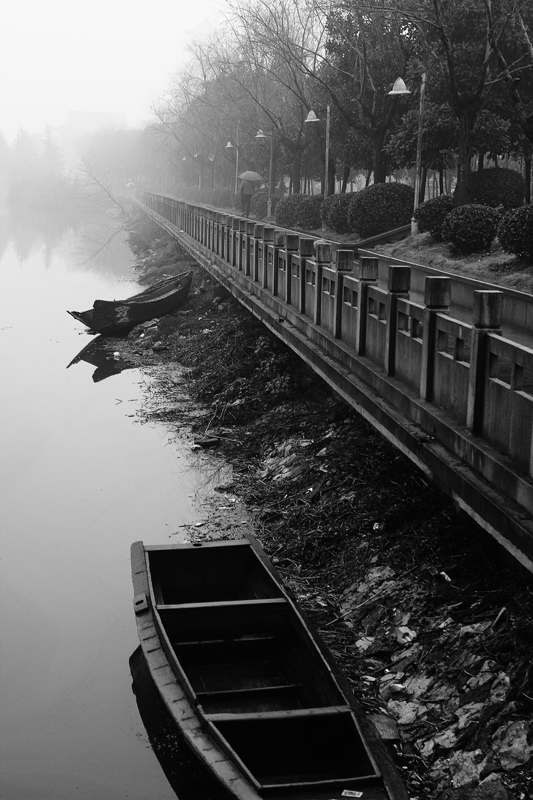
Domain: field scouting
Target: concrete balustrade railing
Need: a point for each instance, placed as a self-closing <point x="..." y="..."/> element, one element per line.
<point x="462" y="383"/>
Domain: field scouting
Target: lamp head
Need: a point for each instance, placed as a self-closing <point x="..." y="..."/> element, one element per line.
<point x="229" y="146"/>
<point x="399" y="87"/>
<point x="311" y="117"/>
<point x="260" y="135"/>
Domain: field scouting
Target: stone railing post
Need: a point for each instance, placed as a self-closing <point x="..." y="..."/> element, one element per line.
<point x="323" y="257"/>
<point x="306" y="251"/>
<point x="487" y="318"/>
<point x="344" y="262"/>
<point x="268" y="241"/>
<point x="279" y="244"/>
<point x="235" y="241"/>
<point x="437" y="294"/>
<point x="258" y="250"/>
<point x="243" y="246"/>
<point x="399" y="282"/>
<point x="366" y="272"/>
<point x="249" y="245"/>
<point x="292" y="245"/>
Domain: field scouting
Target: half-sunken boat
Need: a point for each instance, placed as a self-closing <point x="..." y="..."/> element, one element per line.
<point x="116" y="317"/>
<point x="248" y="683"/>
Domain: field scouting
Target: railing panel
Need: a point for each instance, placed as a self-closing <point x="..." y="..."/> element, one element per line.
<point x="329" y="288"/>
<point x="268" y="268"/>
<point x="452" y="365"/>
<point x="376" y="325"/>
<point x="310" y="278"/>
<point x="508" y="407"/>
<point x="409" y="338"/>
<point x="280" y="271"/>
<point x="349" y="310"/>
<point x="295" y="280"/>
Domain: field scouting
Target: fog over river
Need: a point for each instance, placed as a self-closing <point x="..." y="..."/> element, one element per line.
<point x="80" y="480"/>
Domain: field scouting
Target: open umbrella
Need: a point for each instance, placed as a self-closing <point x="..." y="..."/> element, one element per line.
<point x="249" y="175"/>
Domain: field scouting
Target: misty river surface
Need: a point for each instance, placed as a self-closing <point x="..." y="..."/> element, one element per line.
<point x="80" y="480"/>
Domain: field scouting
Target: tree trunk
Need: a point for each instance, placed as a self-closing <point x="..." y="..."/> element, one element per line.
<point x="345" y="177"/>
<point x="462" y="190"/>
<point x="527" y="176"/>
<point x="331" y="176"/>
<point x="442" y="187"/>
<point x="296" y="174"/>
<point x="481" y="161"/>
<point x="379" y="157"/>
<point x="422" y="187"/>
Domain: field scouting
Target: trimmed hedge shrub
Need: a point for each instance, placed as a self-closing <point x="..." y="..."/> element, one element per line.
<point x="498" y="187"/>
<point x="308" y="211"/>
<point x="259" y="205"/>
<point x="334" y="212"/>
<point x="471" y="228"/>
<point x="431" y="214"/>
<point x="380" y="207"/>
<point x="515" y="232"/>
<point x="287" y="210"/>
<point x="222" y="197"/>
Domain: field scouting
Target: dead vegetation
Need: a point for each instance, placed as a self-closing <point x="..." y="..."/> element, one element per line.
<point x="431" y="625"/>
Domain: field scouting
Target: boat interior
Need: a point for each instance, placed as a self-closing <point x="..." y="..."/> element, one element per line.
<point x="258" y="679"/>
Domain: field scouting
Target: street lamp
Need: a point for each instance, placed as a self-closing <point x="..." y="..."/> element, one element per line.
<point x="260" y="135"/>
<point x="312" y="117"/>
<point x="400" y="88"/>
<point x="230" y="146"/>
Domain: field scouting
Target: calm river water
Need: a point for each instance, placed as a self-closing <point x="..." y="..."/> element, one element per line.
<point x="80" y="480"/>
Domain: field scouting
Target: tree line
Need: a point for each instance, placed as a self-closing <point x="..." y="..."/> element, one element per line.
<point x="273" y="61"/>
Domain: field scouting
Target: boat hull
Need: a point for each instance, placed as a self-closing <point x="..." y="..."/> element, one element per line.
<point x="247" y="681"/>
<point x="118" y="317"/>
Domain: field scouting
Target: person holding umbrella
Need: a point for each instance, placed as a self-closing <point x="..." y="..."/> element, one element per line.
<point x="249" y="179"/>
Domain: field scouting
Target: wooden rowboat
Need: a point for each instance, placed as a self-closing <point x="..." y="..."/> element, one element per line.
<point x="116" y="317"/>
<point x="248" y="683"/>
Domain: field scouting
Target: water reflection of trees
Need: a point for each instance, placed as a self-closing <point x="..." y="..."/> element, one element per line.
<point x="95" y="242"/>
<point x="30" y="229"/>
<point x="101" y="243"/>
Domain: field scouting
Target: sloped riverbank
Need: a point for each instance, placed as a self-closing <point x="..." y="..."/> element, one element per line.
<point x="432" y="626"/>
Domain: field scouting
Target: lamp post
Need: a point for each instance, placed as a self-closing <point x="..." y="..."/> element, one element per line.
<point x="312" y="117"/>
<point x="260" y="135"/>
<point x="229" y="146"/>
<point x="198" y="164"/>
<point x="400" y="88"/>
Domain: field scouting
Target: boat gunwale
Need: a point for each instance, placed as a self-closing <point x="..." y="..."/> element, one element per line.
<point x="238" y="785"/>
<point x="145" y="300"/>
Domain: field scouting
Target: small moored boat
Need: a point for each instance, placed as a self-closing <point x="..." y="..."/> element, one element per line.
<point x="116" y="317"/>
<point x="250" y="686"/>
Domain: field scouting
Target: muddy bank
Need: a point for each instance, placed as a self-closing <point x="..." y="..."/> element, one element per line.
<point x="432" y="626"/>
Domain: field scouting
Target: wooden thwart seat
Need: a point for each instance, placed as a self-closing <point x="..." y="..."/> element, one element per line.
<point x="296" y="713"/>
<point x="278" y="687"/>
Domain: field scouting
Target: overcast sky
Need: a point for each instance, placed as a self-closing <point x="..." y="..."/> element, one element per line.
<point x="58" y="56"/>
